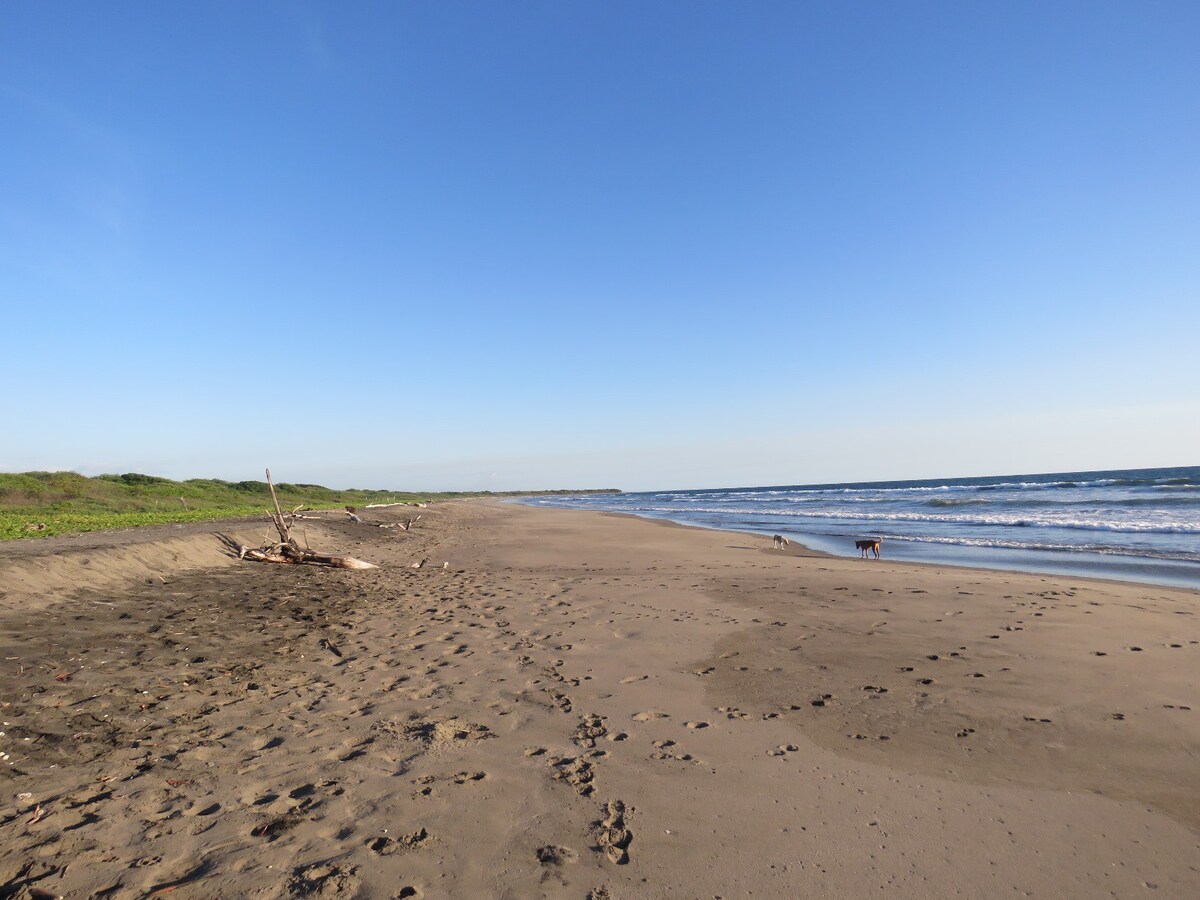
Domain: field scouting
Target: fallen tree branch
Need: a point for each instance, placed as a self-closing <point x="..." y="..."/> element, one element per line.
<point x="278" y="517"/>
<point x="296" y="514"/>
<point x="288" y="554"/>
<point x="403" y="526"/>
<point x="287" y="551"/>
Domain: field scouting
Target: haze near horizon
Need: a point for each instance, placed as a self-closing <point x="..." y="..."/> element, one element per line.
<point x="652" y="245"/>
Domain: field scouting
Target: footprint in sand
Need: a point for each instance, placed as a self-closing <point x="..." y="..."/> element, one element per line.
<point x="575" y="772"/>
<point x="696" y="725"/>
<point x="629" y="679"/>
<point x="613" y="834"/>
<point x="385" y="846"/>
<point x="554" y="855"/>
<point x="649" y="715"/>
<point x="326" y="880"/>
<point x="561" y="700"/>
<point x="589" y="729"/>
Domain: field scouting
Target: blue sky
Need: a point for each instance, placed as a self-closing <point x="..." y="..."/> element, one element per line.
<point x="571" y="244"/>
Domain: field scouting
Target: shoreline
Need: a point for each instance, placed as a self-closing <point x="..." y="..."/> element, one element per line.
<point x="587" y="705"/>
<point x="1150" y="571"/>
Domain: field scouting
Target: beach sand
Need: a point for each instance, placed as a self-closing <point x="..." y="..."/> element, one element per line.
<point x="585" y="705"/>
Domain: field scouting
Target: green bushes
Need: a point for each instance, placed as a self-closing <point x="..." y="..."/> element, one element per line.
<point x="67" y="501"/>
<point x="252" y="487"/>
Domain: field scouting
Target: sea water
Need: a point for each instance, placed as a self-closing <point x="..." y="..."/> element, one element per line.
<point x="1134" y="524"/>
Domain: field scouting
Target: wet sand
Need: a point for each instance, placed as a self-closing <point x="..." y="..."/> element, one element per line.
<point x="586" y="705"/>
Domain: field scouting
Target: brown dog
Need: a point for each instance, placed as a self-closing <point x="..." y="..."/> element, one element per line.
<point x="871" y="544"/>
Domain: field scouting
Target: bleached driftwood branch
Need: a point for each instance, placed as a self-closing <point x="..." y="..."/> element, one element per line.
<point x="297" y="514"/>
<point x="288" y="554"/>
<point x="403" y="526"/>
<point x="286" y="551"/>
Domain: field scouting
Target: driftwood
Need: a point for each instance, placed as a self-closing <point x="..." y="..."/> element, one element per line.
<point x="420" y="564"/>
<point x="296" y="514"/>
<point x="403" y="526"/>
<point x="351" y="516"/>
<point x="288" y="554"/>
<point x="286" y="550"/>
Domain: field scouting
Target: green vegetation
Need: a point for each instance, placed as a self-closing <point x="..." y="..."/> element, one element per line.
<point x="66" y="501"/>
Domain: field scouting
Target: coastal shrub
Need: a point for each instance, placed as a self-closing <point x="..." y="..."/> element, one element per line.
<point x="208" y="482"/>
<point x="138" y="478"/>
<point x="252" y="487"/>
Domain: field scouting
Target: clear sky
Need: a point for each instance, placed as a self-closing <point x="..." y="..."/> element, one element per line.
<point x="585" y="244"/>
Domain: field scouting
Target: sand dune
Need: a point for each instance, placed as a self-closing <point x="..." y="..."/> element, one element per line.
<point x="40" y="572"/>
<point x="586" y="705"/>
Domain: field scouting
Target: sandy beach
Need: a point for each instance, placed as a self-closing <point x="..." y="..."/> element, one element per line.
<point x="584" y="705"/>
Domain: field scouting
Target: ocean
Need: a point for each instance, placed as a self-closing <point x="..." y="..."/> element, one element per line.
<point x="1130" y="524"/>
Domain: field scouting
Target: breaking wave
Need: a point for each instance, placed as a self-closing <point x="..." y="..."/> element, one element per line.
<point x="1150" y="514"/>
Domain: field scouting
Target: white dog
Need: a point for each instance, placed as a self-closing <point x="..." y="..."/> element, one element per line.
<point x="779" y="542"/>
